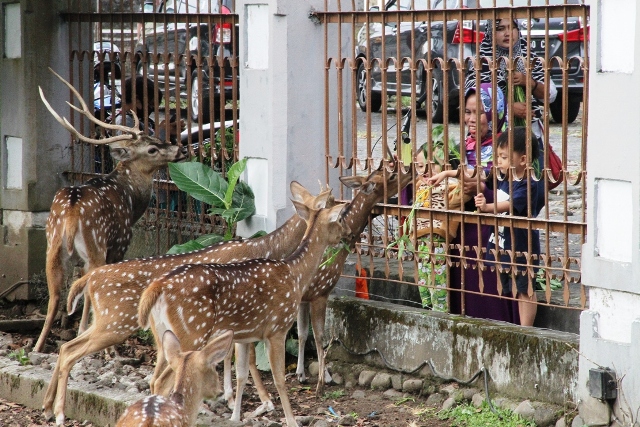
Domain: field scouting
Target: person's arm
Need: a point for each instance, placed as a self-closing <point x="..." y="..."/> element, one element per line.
<point x="483" y="206"/>
<point x="440" y="176"/>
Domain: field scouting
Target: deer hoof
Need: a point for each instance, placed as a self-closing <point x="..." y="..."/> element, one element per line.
<point x="47" y="414"/>
<point x="265" y="407"/>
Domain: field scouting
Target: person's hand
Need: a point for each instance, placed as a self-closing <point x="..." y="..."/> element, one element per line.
<point x="470" y="184"/>
<point x="481" y="202"/>
<point x="519" y="79"/>
<point x="520" y="109"/>
<point x="436" y="179"/>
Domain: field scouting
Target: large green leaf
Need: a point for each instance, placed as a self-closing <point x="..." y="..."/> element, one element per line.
<point x="200" y="181"/>
<point x="291" y="346"/>
<point x="209" y="239"/>
<point x="262" y="359"/>
<point x="232" y="177"/>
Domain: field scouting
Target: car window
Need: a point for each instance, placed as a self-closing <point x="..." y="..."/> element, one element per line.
<point x="517" y="3"/>
<point x="425" y="4"/>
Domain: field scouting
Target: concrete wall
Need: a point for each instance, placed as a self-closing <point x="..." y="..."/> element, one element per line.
<point x="525" y="363"/>
<point x="611" y="257"/>
<point x="33" y="149"/>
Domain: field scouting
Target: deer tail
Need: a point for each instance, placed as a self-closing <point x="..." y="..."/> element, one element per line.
<point x="75" y="293"/>
<point x="70" y="230"/>
<point x="147" y="300"/>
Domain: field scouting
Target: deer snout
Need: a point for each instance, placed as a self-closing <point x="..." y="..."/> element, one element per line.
<point x="182" y="152"/>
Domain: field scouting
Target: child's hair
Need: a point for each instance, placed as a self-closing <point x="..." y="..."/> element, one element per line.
<point x="152" y="92"/>
<point x="519" y="142"/>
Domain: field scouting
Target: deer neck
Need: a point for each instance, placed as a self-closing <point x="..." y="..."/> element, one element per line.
<point x="136" y="186"/>
<point x="306" y="259"/>
<point x="189" y="402"/>
<point x="283" y="241"/>
<point x="357" y="212"/>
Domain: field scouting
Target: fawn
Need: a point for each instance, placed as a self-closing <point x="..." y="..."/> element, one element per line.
<point x="180" y="409"/>
<point x="257" y="299"/>
<point x="93" y="221"/>
<point x="114" y="291"/>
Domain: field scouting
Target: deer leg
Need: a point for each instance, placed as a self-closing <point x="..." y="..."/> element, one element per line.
<point x="303" y="334"/>
<point x="275" y="348"/>
<point x="242" y="375"/>
<point x="267" y="404"/>
<point x="84" y="320"/>
<point x="318" y="316"/>
<point x="91" y="341"/>
<point x="228" y="385"/>
<point x="55" y="279"/>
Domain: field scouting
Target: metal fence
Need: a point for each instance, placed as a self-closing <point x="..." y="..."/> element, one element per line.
<point x="400" y="73"/>
<point x="404" y="71"/>
<point x="188" y="52"/>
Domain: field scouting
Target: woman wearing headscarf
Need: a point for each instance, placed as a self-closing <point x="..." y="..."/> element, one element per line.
<point x="507" y="36"/>
<point x="477" y="288"/>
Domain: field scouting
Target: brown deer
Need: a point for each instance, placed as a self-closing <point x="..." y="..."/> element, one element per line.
<point x="257" y="299"/>
<point x="120" y="285"/>
<point x="371" y="190"/>
<point x="180" y="409"/>
<point x="93" y="221"/>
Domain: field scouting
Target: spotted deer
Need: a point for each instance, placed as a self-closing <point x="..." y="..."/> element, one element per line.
<point x="180" y="409"/>
<point x="257" y="299"/>
<point x="375" y="188"/>
<point x="114" y="291"/>
<point x="93" y="221"/>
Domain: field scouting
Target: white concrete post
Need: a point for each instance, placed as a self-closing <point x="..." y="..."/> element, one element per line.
<point x="610" y="328"/>
<point x="282" y="104"/>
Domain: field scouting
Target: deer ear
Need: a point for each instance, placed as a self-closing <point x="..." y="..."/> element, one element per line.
<point x="322" y="199"/>
<point x="303" y="210"/>
<point x="120" y="153"/>
<point x="218" y="349"/>
<point x="170" y="345"/>
<point x="353" y="182"/>
<point x="334" y="212"/>
<point x="299" y="192"/>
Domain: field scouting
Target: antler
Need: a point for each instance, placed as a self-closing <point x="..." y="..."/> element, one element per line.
<point x="129" y="133"/>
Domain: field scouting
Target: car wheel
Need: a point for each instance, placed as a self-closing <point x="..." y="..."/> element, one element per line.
<point x="573" y="108"/>
<point x="437" y="97"/>
<point x="376" y="99"/>
<point x="198" y="108"/>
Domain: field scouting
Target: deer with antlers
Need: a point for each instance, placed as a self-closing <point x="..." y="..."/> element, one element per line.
<point x="257" y="299"/>
<point x="121" y="284"/>
<point x="93" y="221"/>
<point x="180" y="409"/>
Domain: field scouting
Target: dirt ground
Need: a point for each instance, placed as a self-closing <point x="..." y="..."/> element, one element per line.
<point x="368" y="408"/>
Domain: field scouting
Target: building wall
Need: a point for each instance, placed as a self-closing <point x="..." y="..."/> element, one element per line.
<point x="610" y="329"/>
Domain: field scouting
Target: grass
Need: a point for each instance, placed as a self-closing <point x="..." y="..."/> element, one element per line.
<point x="470" y="416"/>
<point x="336" y="394"/>
<point x="20" y="355"/>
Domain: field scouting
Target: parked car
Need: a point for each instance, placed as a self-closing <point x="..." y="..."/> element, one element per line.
<point x="187" y="41"/>
<point x="465" y="33"/>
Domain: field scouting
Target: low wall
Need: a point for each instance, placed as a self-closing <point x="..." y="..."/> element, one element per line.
<point x="523" y="363"/>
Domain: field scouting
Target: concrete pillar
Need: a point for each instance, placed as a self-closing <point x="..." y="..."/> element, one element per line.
<point x="609" y="330"/>
<point x="33" y="146"/>
<point x="282" y="103"/>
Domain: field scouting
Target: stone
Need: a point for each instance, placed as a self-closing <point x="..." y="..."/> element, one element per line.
<point x="304" y="420"/>
<point x="337" y="379"/>
<point x="525" y="410"/>
<point x="468" y="393"/>
<point x="435" y="399"/>
<point x="396" y="381"/>
<point x="544" y="416"/>
<point x="314" y="369"/>
<point x="477" y="400"/>
<point x="36" y="359"/>
<point x="366" y="377"/>
<point x="347" y="420"/>
<point x="381" y="381"/>
<point x="577" y="422"/>
<point x="67" y="334"/>
<point x="562" y="422"/>
<point x="412" y="386"/>
<point x="449" y="388"/>
<point x="320" y="423"/>
<point x="449" y="404"/>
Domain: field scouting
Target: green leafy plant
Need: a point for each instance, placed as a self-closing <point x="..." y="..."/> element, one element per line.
<point x="146" y="336"/>
<point x="231" y="199"/>
<point x="262" y="359"/>
<point x="217" y="164"/>
<point x="19" y="355"/>
<point x="541" y="281"/>
<point x="469" y="416"/>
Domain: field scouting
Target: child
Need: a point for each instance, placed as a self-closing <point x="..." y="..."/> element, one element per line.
<point x="518" y="193"/>
<point x="432" y="234"/>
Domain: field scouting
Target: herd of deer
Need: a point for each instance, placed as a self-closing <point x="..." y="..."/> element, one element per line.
<point x="197" y="303"/>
